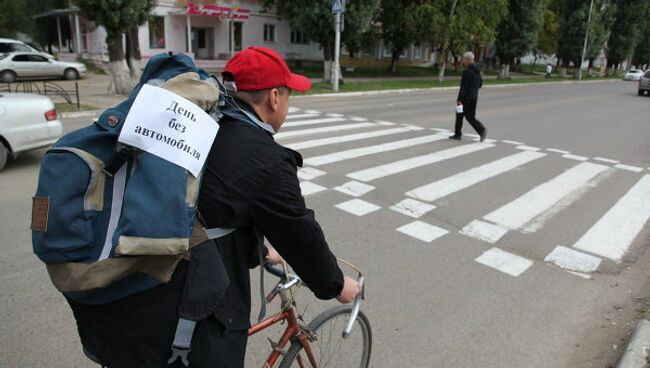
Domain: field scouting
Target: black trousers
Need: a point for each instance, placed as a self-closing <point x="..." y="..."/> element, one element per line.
<point x="469" y="113"/>
<point x="137" y="331"/>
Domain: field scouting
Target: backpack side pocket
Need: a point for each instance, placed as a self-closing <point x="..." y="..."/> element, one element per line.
<point x="70" y="193"/>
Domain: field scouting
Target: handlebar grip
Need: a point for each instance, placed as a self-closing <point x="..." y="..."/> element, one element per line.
<point x="274" y="271"/>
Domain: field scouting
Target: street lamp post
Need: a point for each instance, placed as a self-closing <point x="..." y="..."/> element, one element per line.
<point x="584" y="47"/>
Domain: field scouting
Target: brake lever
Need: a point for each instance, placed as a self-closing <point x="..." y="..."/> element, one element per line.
<point x="355" y="308"/>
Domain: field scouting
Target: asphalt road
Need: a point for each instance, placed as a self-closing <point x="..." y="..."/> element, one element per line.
<point x="440" y="293"/>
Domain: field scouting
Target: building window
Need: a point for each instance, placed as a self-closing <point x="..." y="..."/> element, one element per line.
<point x="418" y="51"/>
<point x="237" y="36"/>
<point x="298" y="37"/>
<point x="157" y="33"/>
<point x="269" y="33"/>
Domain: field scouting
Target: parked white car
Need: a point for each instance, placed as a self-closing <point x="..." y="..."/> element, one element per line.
<point x="9" y="45"/>
<point x="27" y="122"/>
<point x="23" y="65"/>
<point x="633" y="75"/>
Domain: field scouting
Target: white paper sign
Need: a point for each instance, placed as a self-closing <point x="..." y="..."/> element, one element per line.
<point x="171" y="127"/>
<point x="459" y="109"/>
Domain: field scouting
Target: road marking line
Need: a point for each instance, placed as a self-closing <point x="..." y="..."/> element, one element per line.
<point x="312" y="122"/>
<point x="334" y="115"/>
<point x="542" y="198"/>
<point x="294" y="109"/>
<point x="312" y="112"/>
<point x="308" y="188"/>
<point x="357" y="207"/>
<point x="514" y="143"/>
<point x="370" y="150"/>
<point x="422" y="231"/>
<point x="584" y="276"/>
<point x="297" y="133"/>
<point x="505" y="262"/>
<point x="472" y="135"/>
<point x="572" y="260"/>
<point x="484" y="231"/>
<point x="357" y="118"/>
<point x="441" y="188"/>
<point x="528" y="148"/>
<point x="609" y="161"/>
<point x="411" y="207"/>
<point x="345" y="138"/>
<point x="487" y="140"/>
<point x="575" y="157"/>
<point x="387" y="123"/>
<point x="614" y="233"/>
<point x="400" y="166"/>
<point x="309" y="173"/>
<point x="354" y="188"/>
<point x="629" y="168"/>
<point x="558" y="151"/>
<point x="300" y="116"/>
<point x="441" y="130"/>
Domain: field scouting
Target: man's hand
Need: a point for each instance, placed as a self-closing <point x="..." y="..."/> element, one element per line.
<point x="273" y="257"/>
<point x="351" y="289"/>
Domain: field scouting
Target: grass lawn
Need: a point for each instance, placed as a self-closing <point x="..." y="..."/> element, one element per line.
<point x="387" y="85"/>
<point x="66" y="107"/>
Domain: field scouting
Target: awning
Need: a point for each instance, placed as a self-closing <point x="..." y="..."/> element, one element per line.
<point x="217" y="11"/>
<point x="57" y="12"/>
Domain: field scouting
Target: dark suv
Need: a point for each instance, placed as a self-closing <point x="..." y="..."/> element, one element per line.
<point x="644" y="83"/>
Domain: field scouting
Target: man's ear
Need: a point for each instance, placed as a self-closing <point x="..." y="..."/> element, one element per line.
<point x="274" y="99"/>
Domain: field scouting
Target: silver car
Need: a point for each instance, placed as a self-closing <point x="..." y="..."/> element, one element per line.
<point x="644" y="84"/>
<point x="27" y="122"/>
<point x="30" y="65"/>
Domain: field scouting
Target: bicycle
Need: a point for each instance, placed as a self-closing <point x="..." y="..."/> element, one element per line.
<point x="301" y="338"/>
<point x="307" y="340"/>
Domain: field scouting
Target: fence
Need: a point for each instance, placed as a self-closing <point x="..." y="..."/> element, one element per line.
<point x="44" y="88"/>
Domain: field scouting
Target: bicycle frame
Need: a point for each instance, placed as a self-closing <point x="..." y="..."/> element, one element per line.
<point x="293" y="330"/>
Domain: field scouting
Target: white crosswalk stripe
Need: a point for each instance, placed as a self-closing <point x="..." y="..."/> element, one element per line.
<point x="371" y="150"/>
<point x="391" y="151"/>
<point x="415" y="162"/>
<point x="452" y="184"/>
<point x="613" y="234"/>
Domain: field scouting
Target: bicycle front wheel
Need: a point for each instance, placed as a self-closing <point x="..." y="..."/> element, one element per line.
<point x="329" y="347"/>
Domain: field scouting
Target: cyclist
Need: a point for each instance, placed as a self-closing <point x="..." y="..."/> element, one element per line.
<point x="250" y="184"/>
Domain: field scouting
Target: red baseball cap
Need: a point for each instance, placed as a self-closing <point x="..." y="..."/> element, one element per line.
<point x="258" y="68"/>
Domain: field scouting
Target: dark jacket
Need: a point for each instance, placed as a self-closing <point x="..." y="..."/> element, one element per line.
<point x="251" y="182"/>
<point x="470" y="83"/>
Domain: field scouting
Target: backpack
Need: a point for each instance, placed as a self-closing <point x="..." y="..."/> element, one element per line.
<point x="108" y="219"/>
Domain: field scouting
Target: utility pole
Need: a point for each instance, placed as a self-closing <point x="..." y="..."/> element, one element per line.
<point x="338" y="7"/>
<point x="584" y="47"/>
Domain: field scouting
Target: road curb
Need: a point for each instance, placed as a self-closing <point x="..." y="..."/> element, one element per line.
<point x="80" y="114"/>
<point x="636" y="353"/>
<point x="410" y="90"/>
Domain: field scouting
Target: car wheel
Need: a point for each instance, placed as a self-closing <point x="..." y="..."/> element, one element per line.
<point x="4" y="155"/>
<point x="8" y="76"/>
<point x="70" y="74"/>
<point x="641" y="92"/>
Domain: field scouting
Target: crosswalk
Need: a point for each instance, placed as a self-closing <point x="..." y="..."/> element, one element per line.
<point x="366" y="156"/>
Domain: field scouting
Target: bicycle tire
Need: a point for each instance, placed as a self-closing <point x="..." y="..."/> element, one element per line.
<point x="361" y="326"/>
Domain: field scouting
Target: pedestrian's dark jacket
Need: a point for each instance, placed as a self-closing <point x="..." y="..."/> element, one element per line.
<point x="470" y="83"/>
<point x="249" y="183"/>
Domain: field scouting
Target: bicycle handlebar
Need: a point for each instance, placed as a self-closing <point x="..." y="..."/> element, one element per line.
<point x="275" y="271"/>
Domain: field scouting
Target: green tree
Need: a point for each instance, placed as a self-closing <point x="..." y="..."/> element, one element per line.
<point x="315" y="19"/>
<point x="602" y="19"/>
<point x="402" y="25"/>
<point x="549" y="33"/>
<point x="117" y="17"/>
<point x="13" y="18"/>
<point x="518" y="32"/>
<point x="626" y="31"/>
<point x="642" y="52"/>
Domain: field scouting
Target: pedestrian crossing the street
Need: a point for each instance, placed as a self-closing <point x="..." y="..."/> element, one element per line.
<point x="388" y="166"/>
